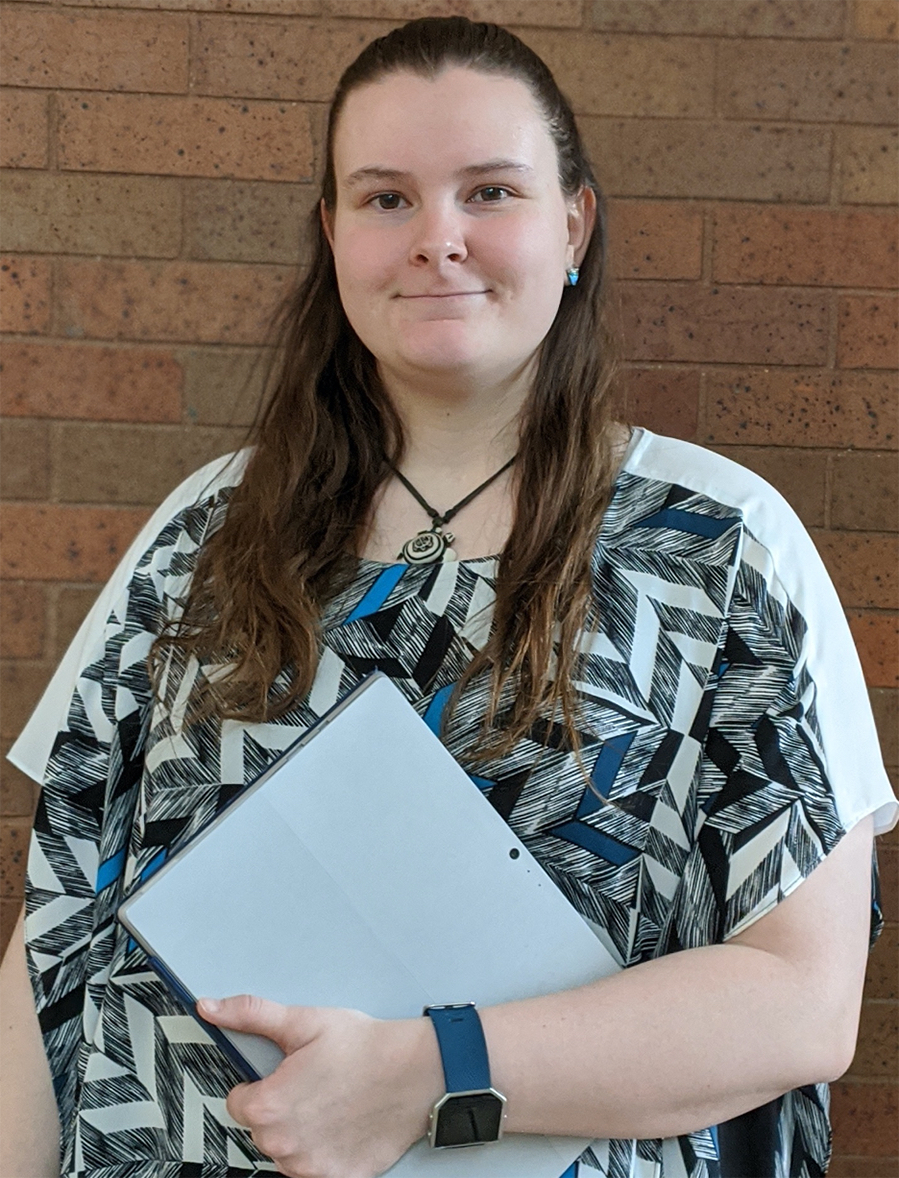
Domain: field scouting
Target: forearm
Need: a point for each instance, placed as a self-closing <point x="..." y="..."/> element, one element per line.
<point x="662" y="1049"/>
<point x="697" y="1037"/>
<point x="29" y="1141"/>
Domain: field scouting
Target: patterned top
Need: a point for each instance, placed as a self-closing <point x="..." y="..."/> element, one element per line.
<point x="707" y="720"/>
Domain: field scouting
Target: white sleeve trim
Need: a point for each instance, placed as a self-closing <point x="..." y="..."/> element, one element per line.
<point x="31" y="751"/>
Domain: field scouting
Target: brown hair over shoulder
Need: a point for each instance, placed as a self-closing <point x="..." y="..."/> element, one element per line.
<point x="326" y="433"/>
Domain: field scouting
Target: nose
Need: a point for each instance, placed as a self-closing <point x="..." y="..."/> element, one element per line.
<point x="439" y="236"/>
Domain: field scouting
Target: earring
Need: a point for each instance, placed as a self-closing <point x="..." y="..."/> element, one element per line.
<point x="572" y="274"/>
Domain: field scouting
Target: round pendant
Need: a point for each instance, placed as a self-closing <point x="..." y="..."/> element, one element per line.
<point x="426" y="548"/>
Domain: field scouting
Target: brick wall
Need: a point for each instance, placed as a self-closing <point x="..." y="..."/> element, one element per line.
<point x="160" y="154"/>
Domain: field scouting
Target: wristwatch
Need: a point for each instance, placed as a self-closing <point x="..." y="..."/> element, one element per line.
<point x="471" y="1112"/>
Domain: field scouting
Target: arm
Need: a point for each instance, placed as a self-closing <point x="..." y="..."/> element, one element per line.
<point x="659" y="1050"/>
<point x="700" y="1036"/>
<point x="29" y="1143"/>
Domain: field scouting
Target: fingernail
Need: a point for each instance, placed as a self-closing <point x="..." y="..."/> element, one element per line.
<point x="210" y="1005"/>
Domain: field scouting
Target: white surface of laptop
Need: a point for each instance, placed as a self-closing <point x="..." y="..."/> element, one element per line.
<point x="365" y="869"/>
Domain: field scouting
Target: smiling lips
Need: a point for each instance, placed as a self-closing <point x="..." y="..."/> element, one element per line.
<point x="447" y="294"/>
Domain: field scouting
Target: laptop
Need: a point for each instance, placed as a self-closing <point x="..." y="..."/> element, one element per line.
<point x="365" y="869"/>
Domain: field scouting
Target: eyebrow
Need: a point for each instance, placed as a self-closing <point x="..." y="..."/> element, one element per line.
<point x="386" y="175"/>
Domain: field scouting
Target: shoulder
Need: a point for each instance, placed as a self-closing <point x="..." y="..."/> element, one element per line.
<point x="771" y="538"/>
<point x="178" y="524"/>
<point x="780" y="597"/>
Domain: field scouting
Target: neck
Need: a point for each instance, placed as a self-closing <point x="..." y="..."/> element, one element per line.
<point x="455" y="426"/>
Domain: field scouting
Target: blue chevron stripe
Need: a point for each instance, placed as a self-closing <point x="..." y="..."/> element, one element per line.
<point x="434" y="715"/>
<point x="110" y="870"/>
<point x="595" y="841"/>
<point x="378" y="593"/>
<point x="687" y="521"/>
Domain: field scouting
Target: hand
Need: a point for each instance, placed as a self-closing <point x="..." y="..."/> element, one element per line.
<point x="351" y="1096"/>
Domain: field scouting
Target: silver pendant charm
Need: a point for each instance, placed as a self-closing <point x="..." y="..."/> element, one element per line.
<point x="428" y="547"/>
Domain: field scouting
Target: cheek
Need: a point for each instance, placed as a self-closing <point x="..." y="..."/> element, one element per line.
<point x="365" y="260"/>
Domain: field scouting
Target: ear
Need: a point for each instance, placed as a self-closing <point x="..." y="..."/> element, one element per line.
<point x="327" y="225"/>
<point x="581" y="220"/>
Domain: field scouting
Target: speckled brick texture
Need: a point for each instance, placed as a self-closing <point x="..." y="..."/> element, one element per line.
<point x="160" y="157"/>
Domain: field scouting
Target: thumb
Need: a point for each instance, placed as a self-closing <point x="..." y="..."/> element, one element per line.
<point x="291" y="1027"/>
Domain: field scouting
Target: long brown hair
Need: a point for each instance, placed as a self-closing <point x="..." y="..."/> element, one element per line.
<point x="322" y="440"/>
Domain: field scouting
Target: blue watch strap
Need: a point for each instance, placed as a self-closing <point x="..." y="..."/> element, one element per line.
<point x="463" y="1047"/>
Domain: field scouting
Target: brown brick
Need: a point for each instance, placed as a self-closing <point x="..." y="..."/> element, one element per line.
<point x="736" y="161"/>
<point x="888" y="865"/>
<point x="72" y="605"/>
<point x="843" y="1166"/>
<point x="271" y="59"/>
<point x="868" y="159"/>
<point x="868" y="332"/>
<point x="799" y="475"/>
<point x="134" y="464"/>
<point x="876" y="1054"/>
<point x="23" y="620"/>
<point x="814" y="408"/>
<point x="864" y="1118"/>
<point x="192" y="301"/>
<point x="546" y="13"/>
<point x="66" y="213"/>
<point x="652" y="239"/>
<point x="15" y="835"/>
<point x="653" y="77"/>
<point x="247" y="221"/>
<point x="86" y="381"/>
<point x="863" y="567"/>
<point x="21" y="686"/>
<point x="876" y="636"/>
<point x="279" y="7"/>
<point x="882" y="979"/>
<point x="799" y="247"/>
<point x="885" y="706"/>
<point x="25" y="466"/>
<point x="665" y="400"/>
<point x="864" y="492"/>
<point x="9" y="909"/>
<point x="878" y="19"/>
<point x="736" y="18"/>
<point x="816" y="81"/>
<point x="59" y="543"/>
<point x="223" y="386"/>
<point x="185" y="136"/>
<point x="688" y="322"/>
<point x="24" y="294"/>
<point x="18" y="793"/>
<point x="23" y="123"/>
<point x="96" y="51"/>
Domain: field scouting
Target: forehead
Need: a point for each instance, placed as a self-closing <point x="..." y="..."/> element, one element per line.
<point x="408" y="122"/>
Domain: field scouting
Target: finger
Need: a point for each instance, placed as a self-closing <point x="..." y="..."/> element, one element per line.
<point x="235" y="1104"/>
<point x="291" y="1027"/>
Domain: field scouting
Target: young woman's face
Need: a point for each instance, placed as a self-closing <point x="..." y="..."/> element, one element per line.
<point x="451" y="234"/>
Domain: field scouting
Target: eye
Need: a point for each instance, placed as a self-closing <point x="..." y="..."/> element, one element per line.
<point x="491" y="194"/>
<point x="388" y="201"/>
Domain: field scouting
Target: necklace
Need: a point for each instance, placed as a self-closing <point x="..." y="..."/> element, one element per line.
<point x="433" y="543"/>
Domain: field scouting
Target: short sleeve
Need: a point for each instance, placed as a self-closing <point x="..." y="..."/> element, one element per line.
<point x="790" y="761"/>
<point x="85" y="744"/>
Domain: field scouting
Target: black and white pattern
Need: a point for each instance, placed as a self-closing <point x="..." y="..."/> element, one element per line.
<point x="703" y="723"/>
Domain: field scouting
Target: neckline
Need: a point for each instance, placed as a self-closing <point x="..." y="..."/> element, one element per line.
<point x="637" y="435"/>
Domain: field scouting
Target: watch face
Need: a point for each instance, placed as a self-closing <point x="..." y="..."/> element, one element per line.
<point x="469" y="1120"/>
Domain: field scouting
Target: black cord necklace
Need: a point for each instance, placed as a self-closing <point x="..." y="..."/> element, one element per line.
<point x="433" y="544"/>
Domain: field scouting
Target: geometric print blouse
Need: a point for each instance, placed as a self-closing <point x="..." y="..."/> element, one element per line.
<point x="710" y="719"/>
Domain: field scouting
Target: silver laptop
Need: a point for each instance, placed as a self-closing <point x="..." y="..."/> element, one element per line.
<point x="365" y="869"/>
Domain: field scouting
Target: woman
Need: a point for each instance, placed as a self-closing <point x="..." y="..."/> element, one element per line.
<point x="634" y="680"/>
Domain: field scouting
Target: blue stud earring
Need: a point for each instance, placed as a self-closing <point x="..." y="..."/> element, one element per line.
<point x="572" y="274"/>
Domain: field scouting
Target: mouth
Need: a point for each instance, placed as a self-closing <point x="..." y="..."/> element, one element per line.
<point x="447" y="294"/>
